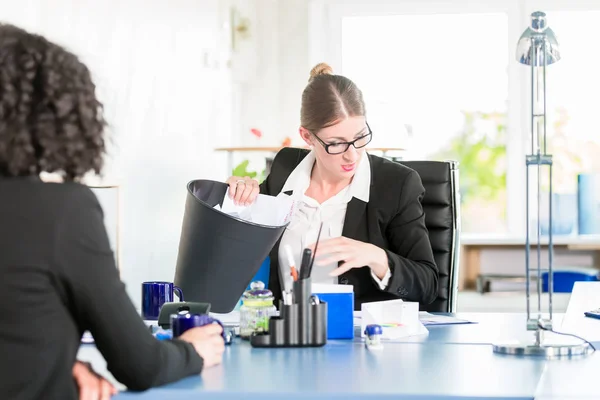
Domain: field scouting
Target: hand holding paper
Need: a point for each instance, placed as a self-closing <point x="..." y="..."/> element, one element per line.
<point x="243" y="191"/>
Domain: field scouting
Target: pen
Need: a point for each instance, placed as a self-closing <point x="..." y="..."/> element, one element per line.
<point x="312" y="261"/>
<point x="290" y="257"/>
<point x="305" y="265"/>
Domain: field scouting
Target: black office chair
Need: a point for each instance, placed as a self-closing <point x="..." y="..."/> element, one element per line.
<point x="442" y="218"/>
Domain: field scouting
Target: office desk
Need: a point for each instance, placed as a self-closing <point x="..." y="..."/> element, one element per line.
<point x="571" y="379"/>
<point x="348" y="370"/>
<point x="452" y="362"/>
<point x="490" y="328"/>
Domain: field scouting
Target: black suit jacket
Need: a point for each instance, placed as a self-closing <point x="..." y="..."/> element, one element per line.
<point x="393" y="220"/>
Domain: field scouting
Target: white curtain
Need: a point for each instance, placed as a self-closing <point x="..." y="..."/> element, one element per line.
<point x="167" y="94"/>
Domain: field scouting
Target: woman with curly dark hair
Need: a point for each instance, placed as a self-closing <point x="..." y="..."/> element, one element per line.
<point x="58" y="271"/>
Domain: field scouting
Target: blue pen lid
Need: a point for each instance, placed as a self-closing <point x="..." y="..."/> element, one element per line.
<point x="373" y="330"/>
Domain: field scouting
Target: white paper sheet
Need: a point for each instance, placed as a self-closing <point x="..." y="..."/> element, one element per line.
<point x="266" y="210"/>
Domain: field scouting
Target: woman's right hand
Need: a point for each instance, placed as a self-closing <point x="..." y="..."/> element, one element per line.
<point x="91" y="386"/>
<point x="243" y="191"/>
<point x="208" y="342"/>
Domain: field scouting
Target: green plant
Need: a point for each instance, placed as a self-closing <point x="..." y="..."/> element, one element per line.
<point x="241" y="170"/>
<point x="481" y="152"/>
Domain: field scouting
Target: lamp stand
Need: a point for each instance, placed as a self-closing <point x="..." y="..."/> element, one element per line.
<point x="538" y="48"/>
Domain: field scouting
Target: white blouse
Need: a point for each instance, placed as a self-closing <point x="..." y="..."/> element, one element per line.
<point x="308" y="215"/>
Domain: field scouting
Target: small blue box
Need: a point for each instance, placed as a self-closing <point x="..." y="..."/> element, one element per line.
<point x="565" y="279"/>
<point x="340" y="314"/>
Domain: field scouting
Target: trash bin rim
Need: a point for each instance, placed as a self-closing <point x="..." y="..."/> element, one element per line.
<point x="189" y="189"/>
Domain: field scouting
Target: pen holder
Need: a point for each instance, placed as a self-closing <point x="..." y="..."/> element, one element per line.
<point x="300" y="324"/>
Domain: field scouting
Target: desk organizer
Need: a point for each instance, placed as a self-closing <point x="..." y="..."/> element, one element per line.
<point x="300" y="324"/>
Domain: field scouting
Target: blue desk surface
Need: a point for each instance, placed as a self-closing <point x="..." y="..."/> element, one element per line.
<point x="452" y="362"/>
<point x="571" y="379"/>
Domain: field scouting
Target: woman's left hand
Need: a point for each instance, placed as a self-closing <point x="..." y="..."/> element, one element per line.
<point x="353" y="253"/>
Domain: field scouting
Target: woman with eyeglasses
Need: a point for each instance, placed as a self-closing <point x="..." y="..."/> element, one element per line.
<point x="373" y="225"/>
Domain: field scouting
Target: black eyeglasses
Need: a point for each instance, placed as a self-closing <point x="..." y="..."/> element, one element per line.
<point x="342" y="147"/>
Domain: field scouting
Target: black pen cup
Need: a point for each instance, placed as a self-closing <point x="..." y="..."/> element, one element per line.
<point x="300" y="324"/>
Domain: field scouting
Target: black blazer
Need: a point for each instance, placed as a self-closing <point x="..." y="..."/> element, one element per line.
<point x="393" y="219"/>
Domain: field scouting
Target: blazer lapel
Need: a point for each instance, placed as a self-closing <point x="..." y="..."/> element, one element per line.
<point x="354" y="216"/>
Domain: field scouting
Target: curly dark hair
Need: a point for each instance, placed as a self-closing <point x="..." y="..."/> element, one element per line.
<point x="50" y="119"/>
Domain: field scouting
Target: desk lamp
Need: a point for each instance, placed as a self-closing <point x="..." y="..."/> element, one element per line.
<point x="538" y="48"/>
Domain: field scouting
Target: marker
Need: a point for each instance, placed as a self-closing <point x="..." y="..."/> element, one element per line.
<point x="305" y="265"/>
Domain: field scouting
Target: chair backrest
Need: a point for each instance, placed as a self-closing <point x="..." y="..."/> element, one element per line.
<point x="442" y="219"/>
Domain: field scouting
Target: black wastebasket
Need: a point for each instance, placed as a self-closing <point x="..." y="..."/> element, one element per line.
<point x="218" y="253"/>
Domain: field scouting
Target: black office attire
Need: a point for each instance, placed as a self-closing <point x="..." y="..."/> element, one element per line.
<point x="393" y="220"/>
<point x="59" y="279"/>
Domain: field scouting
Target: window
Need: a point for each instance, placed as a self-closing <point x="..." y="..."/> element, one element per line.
<point x="573" y="102"/>
<point x="441" y="80"/>
<point x="437" y="86"/>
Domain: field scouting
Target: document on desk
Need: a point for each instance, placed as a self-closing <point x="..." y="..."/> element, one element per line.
<point x="266" y="210"/>
<point x="428" y="319"/>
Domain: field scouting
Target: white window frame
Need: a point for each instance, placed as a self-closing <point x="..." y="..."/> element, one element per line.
<point x="325" y="30"/>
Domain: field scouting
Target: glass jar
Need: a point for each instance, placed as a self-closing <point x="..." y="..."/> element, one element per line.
<point x="257" y="307"/>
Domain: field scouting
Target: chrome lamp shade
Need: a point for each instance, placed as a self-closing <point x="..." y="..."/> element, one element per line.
<point x="538" y="48"/>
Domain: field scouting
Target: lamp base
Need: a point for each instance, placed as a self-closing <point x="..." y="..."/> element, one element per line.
<point x="545" y="350"/>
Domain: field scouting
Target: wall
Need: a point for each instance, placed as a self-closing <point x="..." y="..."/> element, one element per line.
<point x="270" y="70"/>
<point x="172" y="92"/>
<point x="270" y="95"/>
<point x="161" y="73"/>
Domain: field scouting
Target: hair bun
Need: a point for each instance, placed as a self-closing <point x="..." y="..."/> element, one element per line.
<point x="320" y="69"/>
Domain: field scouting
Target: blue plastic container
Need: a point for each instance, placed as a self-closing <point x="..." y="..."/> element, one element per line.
<point x="564" y="279"/>
<point x="340" y="314"/>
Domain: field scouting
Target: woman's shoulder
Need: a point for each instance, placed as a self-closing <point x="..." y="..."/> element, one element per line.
<point x="72" y="191"/>
<point x="386" y="172"/>
<point x="284" y="163"/>
<point x="66" y="199"/>
<point x="290" y="156"/>
<point x="48" y="190"/>
<point x="50" y="204"/>
<point x="392" y="181"/>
